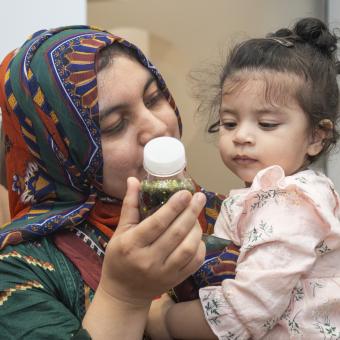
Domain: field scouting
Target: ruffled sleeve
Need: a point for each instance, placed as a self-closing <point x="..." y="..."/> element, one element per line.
<point x="279" y="224"/>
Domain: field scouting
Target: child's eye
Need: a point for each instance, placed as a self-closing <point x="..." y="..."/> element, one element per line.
<point x="154" y="99"/>
<point x="268" y="125"/>
<point x="228" y="125"/>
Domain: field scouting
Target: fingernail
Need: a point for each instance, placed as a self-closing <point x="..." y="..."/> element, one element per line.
<point x="184" y="196"/>
<point x="199" y="198"/>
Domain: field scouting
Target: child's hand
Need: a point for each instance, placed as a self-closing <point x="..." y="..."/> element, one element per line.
<point x="156" y="325"/>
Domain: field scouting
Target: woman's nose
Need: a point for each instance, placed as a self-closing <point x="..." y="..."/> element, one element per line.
<point x="151" y="126"/>
<point x="243" y="134"/>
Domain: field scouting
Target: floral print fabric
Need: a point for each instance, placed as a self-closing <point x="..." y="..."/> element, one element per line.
<point x="287" y="283"/>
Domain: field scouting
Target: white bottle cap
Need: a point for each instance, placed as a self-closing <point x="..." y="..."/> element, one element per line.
<point x="164" y="156"/>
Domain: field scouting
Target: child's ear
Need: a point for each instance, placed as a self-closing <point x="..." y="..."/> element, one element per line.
<point x="320" y="134"/>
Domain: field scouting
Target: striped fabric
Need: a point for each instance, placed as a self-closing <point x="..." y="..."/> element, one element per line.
<point x="49" y="101"/>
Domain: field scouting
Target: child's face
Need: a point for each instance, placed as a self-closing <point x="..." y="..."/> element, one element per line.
<point x="256" y="132"/>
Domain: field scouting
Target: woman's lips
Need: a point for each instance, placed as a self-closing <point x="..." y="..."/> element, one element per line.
<point x="244" y="160"/>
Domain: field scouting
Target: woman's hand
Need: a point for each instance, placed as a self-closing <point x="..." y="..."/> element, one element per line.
<point x="145" y="259"/>
<point x="142" y="261"/>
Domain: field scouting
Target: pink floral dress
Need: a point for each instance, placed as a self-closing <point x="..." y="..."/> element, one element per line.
<point x="287" y="283"/>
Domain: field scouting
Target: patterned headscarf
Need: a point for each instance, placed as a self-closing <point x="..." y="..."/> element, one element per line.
<point x="49" y="102"/>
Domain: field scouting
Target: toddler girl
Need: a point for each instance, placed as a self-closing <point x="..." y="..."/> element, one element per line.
<point x="277" y="115"/>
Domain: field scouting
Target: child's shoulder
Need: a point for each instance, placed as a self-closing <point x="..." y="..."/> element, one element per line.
<point x="274" y="176"/>
<point x="312" y="181"/>
<point x="309" y="183"/>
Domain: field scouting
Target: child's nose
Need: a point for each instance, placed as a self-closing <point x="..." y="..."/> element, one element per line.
<point x="243" y="134"/>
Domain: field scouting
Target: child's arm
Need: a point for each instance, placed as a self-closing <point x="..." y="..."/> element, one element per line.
<point x="156" y="327"/>
<point x="186" y="320"/>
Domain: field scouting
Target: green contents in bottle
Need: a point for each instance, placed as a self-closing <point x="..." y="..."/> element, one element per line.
<point x="154" y="193"/>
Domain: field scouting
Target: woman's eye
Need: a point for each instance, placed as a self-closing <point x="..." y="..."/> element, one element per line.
<point x="154" y="99"/>
<point x="115" y="128"/>
<point x="268" y="125"/>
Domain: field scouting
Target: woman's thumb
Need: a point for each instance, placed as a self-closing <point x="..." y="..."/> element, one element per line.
<point x="130" y="209"/>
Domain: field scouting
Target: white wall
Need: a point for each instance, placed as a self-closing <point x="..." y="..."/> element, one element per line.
<point x="333" y="161"/>
<point x="34" y="15"/>
<point x="30" y="16"/>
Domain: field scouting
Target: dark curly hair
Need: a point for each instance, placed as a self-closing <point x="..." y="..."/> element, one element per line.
<point x="308" y="52"/>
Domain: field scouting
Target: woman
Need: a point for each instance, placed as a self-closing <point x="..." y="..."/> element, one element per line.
<point x="78" y="106"/>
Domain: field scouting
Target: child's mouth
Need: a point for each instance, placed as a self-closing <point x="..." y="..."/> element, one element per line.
<point x="243" y="160"/>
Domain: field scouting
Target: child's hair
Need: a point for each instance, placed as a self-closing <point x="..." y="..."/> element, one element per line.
<point x="308" y="52"/>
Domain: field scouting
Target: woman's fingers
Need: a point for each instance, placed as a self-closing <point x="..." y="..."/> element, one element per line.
<point x="157" y="225"/>
<point x="154" y="227"/>
<point x="195" y="262"/>
<point x="157" y="253"/>
<point x="186" y="249"/>
<point x="130" y="214"/>
<point x="180" y="228"/>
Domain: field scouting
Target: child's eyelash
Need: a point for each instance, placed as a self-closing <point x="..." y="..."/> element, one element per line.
<point x="228" y="125"/>
<point x="268" y="125"/>
<point x="232" y="125"/>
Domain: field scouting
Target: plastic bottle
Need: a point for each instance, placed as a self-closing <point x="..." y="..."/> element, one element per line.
<point x="164" y="162"/>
